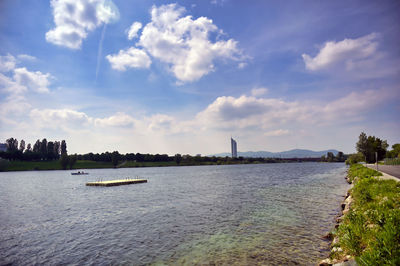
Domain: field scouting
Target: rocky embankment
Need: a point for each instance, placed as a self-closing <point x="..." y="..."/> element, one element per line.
<point x="344" y="259"/>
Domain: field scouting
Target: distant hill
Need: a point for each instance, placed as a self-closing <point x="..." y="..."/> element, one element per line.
<point x="296" y="153"/>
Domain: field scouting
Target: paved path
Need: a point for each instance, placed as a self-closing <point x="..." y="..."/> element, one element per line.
<point x="393" y="170"/>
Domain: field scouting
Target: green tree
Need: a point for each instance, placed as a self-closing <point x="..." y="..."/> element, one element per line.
<point x="370" y="145"/>
<point x="43" y="149"/>
<point x="395" y="152"/>
<point x="178" y="158"/>
<point x="57" y="147"/>
<point x="330" y="157"/>
<point x="28" y="148"/>
<point x="12" y="144"/>
<point x="63" y="147"/>
<point x="50" y="150"/>
<point x="64" y="160"/>
<point x="355" y="158"/>
<point x="22" y="145"/>
<point x="72" y="160"/>
<point x="340" y="156"/>
<point x="36" y="147"/>
<point x="362" y="145"/>
<point x="114" y="158"/>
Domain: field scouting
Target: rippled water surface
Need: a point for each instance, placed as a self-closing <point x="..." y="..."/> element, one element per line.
<point x="240" y="214"/>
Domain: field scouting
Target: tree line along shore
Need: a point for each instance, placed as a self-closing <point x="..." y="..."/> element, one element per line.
<point x="52" y="155"/>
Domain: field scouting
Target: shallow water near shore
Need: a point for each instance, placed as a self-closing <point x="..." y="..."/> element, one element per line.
<point x="232" y="214"/>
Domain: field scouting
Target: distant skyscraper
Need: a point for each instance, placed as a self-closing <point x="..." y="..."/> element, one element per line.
<point x="234" y="148"/>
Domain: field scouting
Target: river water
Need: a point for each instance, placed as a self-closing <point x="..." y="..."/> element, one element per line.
<point x="267" y="214"/>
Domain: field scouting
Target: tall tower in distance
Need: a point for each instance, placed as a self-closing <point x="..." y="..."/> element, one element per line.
<point x="233" y="148"/>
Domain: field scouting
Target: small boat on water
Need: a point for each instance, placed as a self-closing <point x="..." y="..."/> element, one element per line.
<point x="79" y="173"/>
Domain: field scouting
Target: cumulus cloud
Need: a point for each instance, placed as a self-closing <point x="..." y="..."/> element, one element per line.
<point x="36" y="81"/>
<point x="74" y="19"/>
<point x="184" y="43"/>
<point x="132" y="57"/>
<point x="19" y="80"/>
<point x="7" y="63"/>
<point x="347" y="53"/>
<point x="249" y="112"/>
<point x="117" y="120"/>
<point x="133" y="30"/>
<point x="259" y="91"/>
<point x="56" y="117"/>
<point x="9" y="86"/>
<point x="160" y="122"/>
<point x="72" y="119"/>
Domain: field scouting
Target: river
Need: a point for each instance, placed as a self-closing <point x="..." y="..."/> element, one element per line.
<point x="267" y="214"/>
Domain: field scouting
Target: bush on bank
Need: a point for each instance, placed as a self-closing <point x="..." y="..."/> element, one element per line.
<point x="370" y="231"/>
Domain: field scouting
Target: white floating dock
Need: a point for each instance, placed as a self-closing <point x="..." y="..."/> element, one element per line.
<point x="116" y="182"/>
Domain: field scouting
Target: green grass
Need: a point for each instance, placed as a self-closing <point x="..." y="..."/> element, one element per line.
<point x="92" y="165"/>
<point x="27" y="166"/>
<point x="81" y="164"/>
<point x="360" y="171"/>
<point x="53" y="165"/>
<point x="370" y="231"/>
<point x="392" y="161"/>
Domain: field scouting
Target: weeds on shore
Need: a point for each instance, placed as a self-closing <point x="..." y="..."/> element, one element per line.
<point x="360" y="171"/>
<point x="370" y="231"/>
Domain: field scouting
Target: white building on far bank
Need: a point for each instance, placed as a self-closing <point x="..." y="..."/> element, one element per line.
<point x="234" y="148"/>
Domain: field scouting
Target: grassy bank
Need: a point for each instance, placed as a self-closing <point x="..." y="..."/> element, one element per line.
<point x="84" y="164"/>
<point x="370" y="230"/>
<point x="53" y="165"/>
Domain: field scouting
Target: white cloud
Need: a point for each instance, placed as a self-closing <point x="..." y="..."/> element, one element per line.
<point x="117" y="120"/>
<point x="242" y="65"/>
<point x="68" y="119"/>
<point x="9" y="86"/>
<point x="249" y="113"/>
<point x="54" y="118"/>
<point x="259" y="91"/>
<point x="36" y="81"/>
<point x="14" y="105"/>
<point x="218" y="2"/>
<point x="254" y="120"/>
<point x="346" y="53"/>
<point x="16" y="81"/>
<point x="184" y="44"/>
<point x="74" y="19"/>
<point x="133" y="30"/>
<point x="277" y="133"/>
<point x="354" y="105"/>
<point x="7" y="63"/>
<point x="26" y="57"/>
<point x="131" y="57"/>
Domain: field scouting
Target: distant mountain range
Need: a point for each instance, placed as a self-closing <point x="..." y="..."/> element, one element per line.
<point x="296" y="153"/>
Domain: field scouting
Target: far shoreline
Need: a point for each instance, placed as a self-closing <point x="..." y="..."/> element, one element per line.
<point x="17" y="166"/>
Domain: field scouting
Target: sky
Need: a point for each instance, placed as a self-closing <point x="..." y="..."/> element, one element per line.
<point x="183" y="77"/>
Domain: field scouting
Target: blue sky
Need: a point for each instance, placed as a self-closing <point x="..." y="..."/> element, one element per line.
<point x="182" y="77"/>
